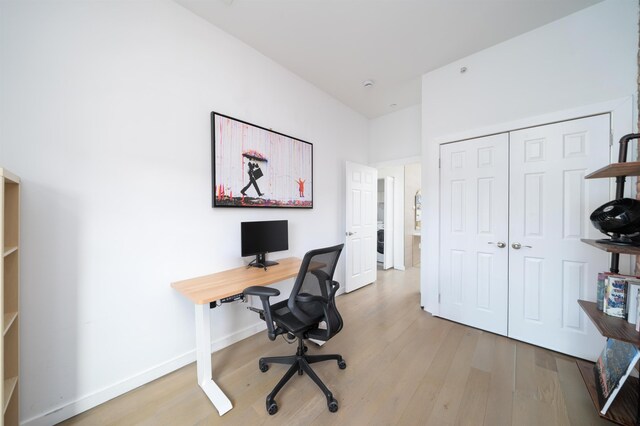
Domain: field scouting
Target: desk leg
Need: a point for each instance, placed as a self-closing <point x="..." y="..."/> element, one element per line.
<point x="203" y="361"/>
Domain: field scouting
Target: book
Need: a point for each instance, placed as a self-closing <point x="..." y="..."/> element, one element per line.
<point x="638" y="313"/>
<point x="612" y="369"/>
<point x="632" y="297"/>
<point x="602" y="276"/>
<point x="615" y="296"/>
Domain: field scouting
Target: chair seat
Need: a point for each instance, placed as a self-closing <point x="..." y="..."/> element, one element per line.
<point x="286" y="320"/>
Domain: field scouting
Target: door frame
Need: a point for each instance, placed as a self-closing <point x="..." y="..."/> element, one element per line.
<point x="622" y="123"/>
<point x="389" y="221"/>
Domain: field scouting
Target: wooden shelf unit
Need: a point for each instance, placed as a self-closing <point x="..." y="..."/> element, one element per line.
<point x="615" y="170"/>
<point x="625" y="409"/>
<point x="9" y="303"/>
<point x="608" y="326"/>
<point x="611" y="248"/>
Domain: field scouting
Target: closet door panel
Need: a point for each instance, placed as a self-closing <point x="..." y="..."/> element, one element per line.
<point x="474" y="208"/>
<point x="550" y="202"/>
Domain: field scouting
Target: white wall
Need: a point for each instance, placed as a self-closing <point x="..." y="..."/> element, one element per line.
<point x="585" y="58"/>
<point x="104" y="114"/>
<point x="395" y="135"/>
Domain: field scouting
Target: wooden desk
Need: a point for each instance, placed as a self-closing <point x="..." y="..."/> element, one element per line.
<point x="212" y="288"/>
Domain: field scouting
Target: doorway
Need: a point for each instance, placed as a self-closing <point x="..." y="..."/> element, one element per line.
<point x="400" y="195"/>
<point x="386" y="222"/>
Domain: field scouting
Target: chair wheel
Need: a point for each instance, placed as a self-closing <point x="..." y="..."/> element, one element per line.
<point x="272" y="408"/>
<point x="333" y="405"/>
<point x="305" y="349"/>
<point x="264" y="367"/>
<point x="342" y="364"/>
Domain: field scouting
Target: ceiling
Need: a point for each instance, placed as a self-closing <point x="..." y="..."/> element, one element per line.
<point x="338" y="44"/>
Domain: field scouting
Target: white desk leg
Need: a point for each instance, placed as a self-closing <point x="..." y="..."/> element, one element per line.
<point x="203" y="361"/>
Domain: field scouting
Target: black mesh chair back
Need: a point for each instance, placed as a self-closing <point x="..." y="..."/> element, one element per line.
<point x="313" y="295"/>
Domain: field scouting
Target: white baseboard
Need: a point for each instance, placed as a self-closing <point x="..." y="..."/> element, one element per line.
<point x="87" y="402"/>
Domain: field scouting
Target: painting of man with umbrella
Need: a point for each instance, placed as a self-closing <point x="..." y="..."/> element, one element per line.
<point x="255" y="172"/>
<point x="257" y="167"/>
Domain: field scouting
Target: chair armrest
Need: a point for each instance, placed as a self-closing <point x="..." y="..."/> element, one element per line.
<point x="261" y="291"/>
<point x="264" y="293"/>
<point x="335" y="285"/>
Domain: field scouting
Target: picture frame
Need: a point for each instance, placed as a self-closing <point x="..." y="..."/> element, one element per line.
<point x="256" y="167"/>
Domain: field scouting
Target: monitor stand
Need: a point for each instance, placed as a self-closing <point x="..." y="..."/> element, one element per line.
<point x="261" y="262"/>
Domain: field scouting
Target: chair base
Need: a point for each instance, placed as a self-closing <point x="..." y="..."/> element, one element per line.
<point x="300" y="363"/>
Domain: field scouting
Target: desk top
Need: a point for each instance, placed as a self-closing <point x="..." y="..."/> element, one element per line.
<point x="223" y="284"/>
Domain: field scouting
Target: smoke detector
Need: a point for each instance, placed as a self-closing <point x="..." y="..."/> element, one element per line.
<point x="367" y="83"/>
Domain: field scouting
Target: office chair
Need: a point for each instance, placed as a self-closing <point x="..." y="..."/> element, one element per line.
<point x="311" y="302"/>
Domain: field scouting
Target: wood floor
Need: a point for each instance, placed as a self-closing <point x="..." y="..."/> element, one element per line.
<point x="404" y="367"/>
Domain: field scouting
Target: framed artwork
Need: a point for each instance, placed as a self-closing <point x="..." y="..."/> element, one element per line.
<point x="257" y="167"/>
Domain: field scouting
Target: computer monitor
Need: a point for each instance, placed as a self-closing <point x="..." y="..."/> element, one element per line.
<point x="260" y="238"/>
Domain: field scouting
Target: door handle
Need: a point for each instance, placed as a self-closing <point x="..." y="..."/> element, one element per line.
<point x="348" y="234"/>
<point x="518" y="246"/>
<point x="500" y="244"/>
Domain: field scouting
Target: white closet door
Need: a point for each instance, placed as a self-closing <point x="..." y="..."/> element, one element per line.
<point x="473" y="212"/>
<point x="550" y="204"/>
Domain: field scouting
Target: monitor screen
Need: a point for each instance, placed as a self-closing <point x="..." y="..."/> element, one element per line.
<point x="264" y="237"/>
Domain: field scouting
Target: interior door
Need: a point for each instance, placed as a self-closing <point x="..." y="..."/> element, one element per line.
<point x="550" y="204"/>
<point x="474" y="232"/>
<point x="361" y="232"/>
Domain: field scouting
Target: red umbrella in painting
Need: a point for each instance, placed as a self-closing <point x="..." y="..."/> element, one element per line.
<point x="254" y="155"/>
